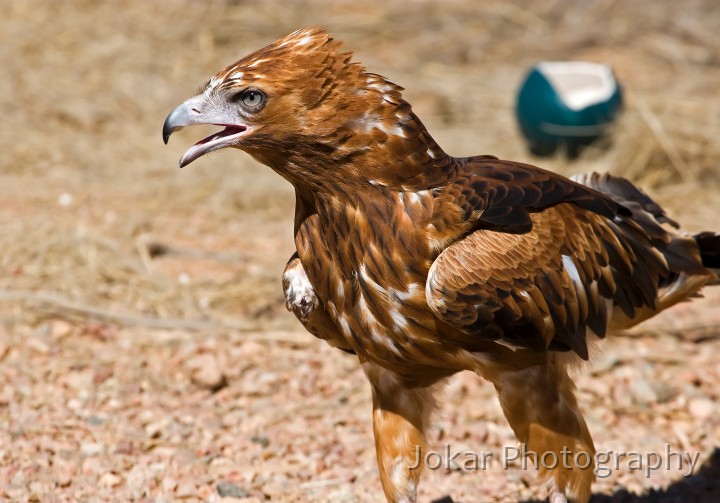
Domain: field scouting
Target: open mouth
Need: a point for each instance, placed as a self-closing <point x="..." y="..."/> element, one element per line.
<point x="213" y="142"/>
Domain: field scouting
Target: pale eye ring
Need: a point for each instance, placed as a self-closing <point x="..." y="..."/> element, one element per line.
<point x="252" y="99"/>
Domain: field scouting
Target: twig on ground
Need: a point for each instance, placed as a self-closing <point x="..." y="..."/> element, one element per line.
<point x="318" y="484"/>
<point x="707" y="331"/>
<point x="57" y="305"/>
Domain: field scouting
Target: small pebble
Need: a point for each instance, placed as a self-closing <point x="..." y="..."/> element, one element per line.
<point x="59" y="329"/>
<point x="274" y="489"/>
<point x="231" y="490"/>
<point x="156" y="428"/>
<point x="110" y="480"/>
<point x="185" y="490"/>
<point x="642" y="392"/>
<point x="207" y="373"/>
<point x="701" y="408"/>
<point x="36" y="491"/>
<point x="91" y="449"/>
<point x="261" y="440"/>
<point x="210" y="378"/>
<point x="95" y="420"/>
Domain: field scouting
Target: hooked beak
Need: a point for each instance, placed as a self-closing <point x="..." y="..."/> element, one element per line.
<point x="193" y="112"/>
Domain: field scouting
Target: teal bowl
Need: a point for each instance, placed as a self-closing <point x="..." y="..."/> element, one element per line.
<point x="567" y="105"/>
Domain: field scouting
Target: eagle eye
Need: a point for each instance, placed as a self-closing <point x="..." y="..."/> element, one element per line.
<point x="251" y="99"/>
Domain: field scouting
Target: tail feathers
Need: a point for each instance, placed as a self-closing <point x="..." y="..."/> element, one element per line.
<point x="693" y="255"/>
<point x="623" y="191"/>
<point x="709" y="245"/>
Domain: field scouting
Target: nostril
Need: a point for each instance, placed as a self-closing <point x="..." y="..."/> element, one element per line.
<point x="195" y="110"/>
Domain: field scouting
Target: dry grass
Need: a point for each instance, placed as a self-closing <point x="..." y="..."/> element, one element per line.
<point x="151" y="265"/>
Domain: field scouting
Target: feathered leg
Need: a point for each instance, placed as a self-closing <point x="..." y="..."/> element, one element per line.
<point x="540" y="405"/>
<point x="400" y="418"/>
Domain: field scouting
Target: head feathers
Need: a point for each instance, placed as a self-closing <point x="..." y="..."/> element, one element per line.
<point x="324" y="117"/>
<point x="306" y="60"/>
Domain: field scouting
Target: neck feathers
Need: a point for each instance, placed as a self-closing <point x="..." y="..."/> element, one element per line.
<point x="371" y="137"/>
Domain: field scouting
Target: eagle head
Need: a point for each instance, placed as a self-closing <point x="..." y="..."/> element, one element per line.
<point x="301" y="106"/>
<point x="298" y="93"/>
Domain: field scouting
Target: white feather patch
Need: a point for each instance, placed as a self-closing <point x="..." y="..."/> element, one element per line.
<point x="571" y="269"/>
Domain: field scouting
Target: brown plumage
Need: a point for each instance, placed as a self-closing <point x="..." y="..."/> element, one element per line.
<point x="424" y="265"/>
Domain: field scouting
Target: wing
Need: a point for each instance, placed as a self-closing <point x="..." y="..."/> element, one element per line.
<point x="494" y="194"/>
<point x="543" y="289"/>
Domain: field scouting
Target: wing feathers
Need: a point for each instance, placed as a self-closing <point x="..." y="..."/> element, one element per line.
<point x="502" y="194"/>
<point x="547" y="257"/>
<point x="545" y="288"/>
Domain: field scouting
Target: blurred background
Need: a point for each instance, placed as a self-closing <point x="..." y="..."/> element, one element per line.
<point x="145" y="351"/>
